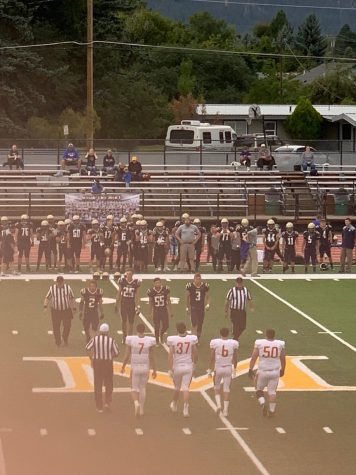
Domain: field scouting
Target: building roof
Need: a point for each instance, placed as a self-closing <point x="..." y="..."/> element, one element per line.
<point x="277" y="111"/>
<point x="350" y="118"/>
<point x="322" y="70"/>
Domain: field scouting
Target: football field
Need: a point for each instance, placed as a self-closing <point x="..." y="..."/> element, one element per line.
<point x="48" y="421"/>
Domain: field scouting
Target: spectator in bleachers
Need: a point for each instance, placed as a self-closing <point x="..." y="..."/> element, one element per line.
<point x="71" y="159"/>
<point x="308" y="160"/>
<point x="120" y="171"/>
<point x="265" y="158"/>
<point x="135" y="168"/>
<point x="90" y="166"/>
<point x="245" y="157"/>
<point x="127" y="177"/>
<point x="109" y="167"/>
<point x="97" y="188"/>
<point x="14" y="159"/>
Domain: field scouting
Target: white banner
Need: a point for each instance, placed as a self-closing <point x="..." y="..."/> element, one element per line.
<point x="90" y="207"/>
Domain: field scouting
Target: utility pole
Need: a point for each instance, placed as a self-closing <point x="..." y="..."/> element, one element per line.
<point x="90" y="75"/>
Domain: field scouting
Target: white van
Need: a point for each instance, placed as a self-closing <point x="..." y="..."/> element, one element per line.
<point x="193" y="135"/>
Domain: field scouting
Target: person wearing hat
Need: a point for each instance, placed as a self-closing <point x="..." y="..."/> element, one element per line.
<point x="43" y="234"/>
<point x="24" y="241"/>
<point x="135" y="168"/>
<point x="60" y="297"/>
<point x="71" y="159"/>
<point x="160" y="237"/>
<point x="102" y="350"/>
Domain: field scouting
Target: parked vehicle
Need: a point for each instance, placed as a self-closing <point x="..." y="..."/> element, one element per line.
<point x="196" y="135"/>
<point x="287" y="156"/>
<point x="254" y="141"/>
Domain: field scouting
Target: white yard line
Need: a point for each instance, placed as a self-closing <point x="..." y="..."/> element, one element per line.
<point x="228" y="428"/>
<point x="244" y="446"/>
<point x="2" y="460"/>
<point x="306" y="316"/>
<point x="294" y="332"/>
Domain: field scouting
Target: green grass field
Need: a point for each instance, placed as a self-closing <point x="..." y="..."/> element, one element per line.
<point x="46" y="429"/>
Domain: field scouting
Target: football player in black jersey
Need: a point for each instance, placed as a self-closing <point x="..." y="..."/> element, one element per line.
<point x="62" y="242"/>
<point x="127" y="300"/>
<point x="161" y="243"/>
<point x="198" y="300"/>
<point x="326" y="239"/>
<point x="270" y="240"/>
<point x="24" y="241"/>
<point x="289" y="240"/>
<point x="43" y="234"/>
<point x="91" y="308"/>
<point x="123" y="236"/>
<point x="200" y="243"/>
<point x="224" y="244"/>
<point x="77" y="240"/>
<point x="8" y="246"/>
<point x="109" y="233"/>
<point x="311" y="245"/>
<point x="143" y="236"/>
<point x="160" y="308"/>
<point x="52" y="241"/>
<point x="95" y="235"/>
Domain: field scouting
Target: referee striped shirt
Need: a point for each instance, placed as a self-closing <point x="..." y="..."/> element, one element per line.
<point x="104" y="347"/>
<point x="60" y="297"/>
<point x="238" y="298"/>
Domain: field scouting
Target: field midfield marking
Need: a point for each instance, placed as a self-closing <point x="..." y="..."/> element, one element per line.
<point x="139" y="431"/>
<point x="15" y="332"/>
<point x="260" y="332"/>
<point x="91" y="432"/>
<point x="244" y="446"/>
<point x="304" y="315"/>
<point x="294" y="332"/>
<point x="43" y="432"/>
<point x="280" y="430"/>
<point x="2" y="460"/>
<point x="328" y="430"/>
<point x="186" y="431"/>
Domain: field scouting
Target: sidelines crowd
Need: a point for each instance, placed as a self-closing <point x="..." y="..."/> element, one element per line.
<point x="118" y="243"/>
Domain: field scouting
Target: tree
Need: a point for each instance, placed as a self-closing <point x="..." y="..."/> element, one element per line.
<point x="309" y="39"/>
<point x="305" y="122"/>
<point x="185" y="108"/>
<point x="268" y="91"/>
<point x="334" y="87"/>
<point x="345" y="42"/>
<point x="186" y="80"/>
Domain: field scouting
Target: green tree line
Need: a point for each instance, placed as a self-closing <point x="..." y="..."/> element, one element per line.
<point x="140" y="91"/>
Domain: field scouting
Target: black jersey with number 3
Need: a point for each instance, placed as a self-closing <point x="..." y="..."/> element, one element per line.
<point x="197" y="294"/>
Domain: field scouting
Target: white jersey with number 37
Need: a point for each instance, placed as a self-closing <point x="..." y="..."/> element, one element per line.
<point x="140" y="349"/>
<point x="224" y="351"/>
<point x="182" y="348"/>
<point x="269" y="352"/>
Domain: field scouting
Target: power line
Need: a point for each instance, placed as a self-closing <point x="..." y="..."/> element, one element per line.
<point x="274" y="5"/>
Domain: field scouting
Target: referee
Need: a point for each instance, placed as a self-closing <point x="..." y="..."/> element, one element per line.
<point x="236" y="300"/>
<point x="60" y="297"/>
<point x="102" y="350"/>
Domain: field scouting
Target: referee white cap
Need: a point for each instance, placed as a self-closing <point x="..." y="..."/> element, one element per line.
<point x="104" y="328"/>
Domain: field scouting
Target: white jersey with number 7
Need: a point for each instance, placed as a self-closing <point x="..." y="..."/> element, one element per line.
<point x="140" y="349"/>
<point x="182" y="348"/>
<point x="269" y="352"/>
<point x="224" y="351"/>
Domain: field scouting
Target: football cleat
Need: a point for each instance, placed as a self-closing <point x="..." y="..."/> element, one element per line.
<point x="173" y="406"/>
<point x="225" y="413"/>
<point x="186" y="410"/>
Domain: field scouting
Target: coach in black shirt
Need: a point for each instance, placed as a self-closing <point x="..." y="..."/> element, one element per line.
<point x="237" y="300"/>
<point x="60" y="297"/>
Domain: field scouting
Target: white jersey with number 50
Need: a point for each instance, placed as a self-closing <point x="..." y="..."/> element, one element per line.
<point x="140" y="349"/>
<point x="224" y="351"/>
<point x="182" y="348"/>
<point x="269" y="352"/>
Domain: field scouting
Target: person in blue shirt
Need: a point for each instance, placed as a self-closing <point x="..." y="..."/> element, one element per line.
<point x="97" y="187"/>
<point x="127" y="177"/>
<point x="71" y="159"/>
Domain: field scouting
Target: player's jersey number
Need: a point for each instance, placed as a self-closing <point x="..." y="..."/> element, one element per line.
<point x="128" y="292"/>
<point x="270" y="352"/>
<point x="182" y="347"/>
<point x="159" y="300"/>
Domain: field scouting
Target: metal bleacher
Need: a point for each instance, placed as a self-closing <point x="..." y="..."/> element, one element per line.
<point x="209" y="191"/>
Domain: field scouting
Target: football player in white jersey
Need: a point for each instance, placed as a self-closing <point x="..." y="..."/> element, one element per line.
<point x="271" y="366"/>
<point x="139" y="350"/>
<point x="224" y="361"/>
<point x="181" y="360"/>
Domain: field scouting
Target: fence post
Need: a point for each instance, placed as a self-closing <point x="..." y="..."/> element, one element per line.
<point x="201" y="154"/>
<point x="164" y="156"/>
<point x="23" y="154"/>
<point x="180" y="205"/>
<point x="58" y="153"/>
<point x="341" y="150"/>
<point x="218" y="206"/>
<point x="29" y="204"/>
<point x="324" y="206"/>
<point x="254" y="207"/>
<point x="143" y="202"/>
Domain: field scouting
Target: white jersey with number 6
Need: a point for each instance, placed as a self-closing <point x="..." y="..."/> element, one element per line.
<point x="224" y="351"/>
<point x="182" y="348"/>
<point x="269" y="352"/>
<point x="140" y="350"/>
